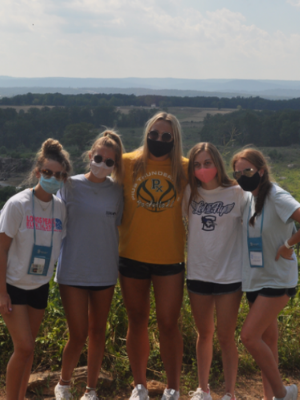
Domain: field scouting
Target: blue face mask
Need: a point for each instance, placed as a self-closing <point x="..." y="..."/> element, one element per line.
<point x="51" y="185"/>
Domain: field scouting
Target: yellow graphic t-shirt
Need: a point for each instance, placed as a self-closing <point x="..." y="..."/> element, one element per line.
<point x="152" y="229"/>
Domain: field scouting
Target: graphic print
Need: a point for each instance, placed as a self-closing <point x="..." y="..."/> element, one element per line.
<point x="208" y="223"/>
<point x="154" y="191"/>
<point x="217" y="208"/>
<point x="43" y="224"/>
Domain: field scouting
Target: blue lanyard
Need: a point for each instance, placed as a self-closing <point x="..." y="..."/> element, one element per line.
<point x="262" y="218"/>
<point x="34" y="218"/>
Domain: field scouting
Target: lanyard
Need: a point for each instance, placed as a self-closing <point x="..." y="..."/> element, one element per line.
<point x="262" y="219"/>
<point x="52" y="224"/>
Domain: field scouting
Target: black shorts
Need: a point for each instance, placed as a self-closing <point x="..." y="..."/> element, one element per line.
<point x="35" y="298"/>
<point x="140" y="270"/>
<point x="92" y="288"/>
<point x="270" y="292"/>
<point x="211" y="288"/>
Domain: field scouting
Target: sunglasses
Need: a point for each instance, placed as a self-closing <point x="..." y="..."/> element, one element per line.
<point x="165" y="137"/>
<point x="60" y="176"/>
<point x="247" y="172"/>
<point x="99" y="159"/>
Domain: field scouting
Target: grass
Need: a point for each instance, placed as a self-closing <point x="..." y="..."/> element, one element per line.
<point x="53" y="336"/>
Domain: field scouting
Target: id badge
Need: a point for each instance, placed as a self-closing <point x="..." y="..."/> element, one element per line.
<point x="256" y="259"/>
<point x="40" y="260"/>
<point x="255" y="252"/>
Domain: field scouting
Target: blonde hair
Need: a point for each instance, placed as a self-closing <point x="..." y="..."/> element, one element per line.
<point x="258" y="160"/>
<point x="175" y="154"/>
<point x="51" y="149"/>
<point x="111" y="139"/>
<point x="222" y="177"/>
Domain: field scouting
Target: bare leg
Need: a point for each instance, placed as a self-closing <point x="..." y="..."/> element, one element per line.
<point x="168" y="295"/>
<point x="75" y="303"/>
<point x="99" y="306"/>
<point x="270" y="337"/>
<point x="35" y="318"/>
<point x="227" y="307"/>
<point x="261" y="315"/>
<point x="136" y="295"/>
<point x="18" y="324"/>
<point x="203" y="312"/>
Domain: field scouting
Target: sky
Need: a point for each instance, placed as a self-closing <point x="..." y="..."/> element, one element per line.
<point x="197" y="39"/>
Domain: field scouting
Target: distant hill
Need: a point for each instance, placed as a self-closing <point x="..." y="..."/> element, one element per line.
<point x="269" y="89"/>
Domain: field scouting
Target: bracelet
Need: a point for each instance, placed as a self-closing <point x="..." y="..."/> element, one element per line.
<point x="287" y="245"/>
<point x="89" y="388"/>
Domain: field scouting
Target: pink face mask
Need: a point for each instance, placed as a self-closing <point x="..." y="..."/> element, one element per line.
<point x="205" y="174"/>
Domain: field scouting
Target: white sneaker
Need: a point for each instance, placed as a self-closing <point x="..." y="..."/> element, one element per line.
<point x="170" y="394"/>
<point x="91" y="395"/>
<point x="291" y="393"/>
<point x="200" y="395"/>
<point x="228" y="397"/>
<point x="140" y="393"/>
<point x="62" y="392"/>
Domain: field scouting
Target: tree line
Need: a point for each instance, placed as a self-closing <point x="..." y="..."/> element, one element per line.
<point x="99" y="100"/>
<point x="261" y="128"/>
<point x="73" y="126"/>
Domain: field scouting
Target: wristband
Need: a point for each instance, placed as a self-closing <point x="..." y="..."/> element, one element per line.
<point x="287" y="245"/>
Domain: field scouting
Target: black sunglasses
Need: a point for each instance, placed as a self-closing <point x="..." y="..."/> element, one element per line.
<point x="60" y="176"/>
<point x="109" y="162"/>
<point x="165" y="137"/>
<point x="247" y="172"/>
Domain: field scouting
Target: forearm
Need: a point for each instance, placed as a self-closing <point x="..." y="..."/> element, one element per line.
<point x="294" y="239"/>
<point x="3" y="265"/>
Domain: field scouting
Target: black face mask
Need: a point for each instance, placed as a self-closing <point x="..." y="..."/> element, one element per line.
<point x="158" y="148"/>
<point x="249" y="184"/>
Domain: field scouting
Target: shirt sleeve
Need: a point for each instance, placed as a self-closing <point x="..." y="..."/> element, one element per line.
<point x="61" y="194"/>
<point x="11" y="218"/>
<point x="120" y="209"/>
<point x="285" y="204"/>
<point x="244" y="198"/>
<point x="185" y="202"/>
<point x="64" y="222"/>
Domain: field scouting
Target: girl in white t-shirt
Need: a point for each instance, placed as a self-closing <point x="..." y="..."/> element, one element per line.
<point x="270" y="268"/>
<point x="32" y="225"/>
<point x="213" y="204"/>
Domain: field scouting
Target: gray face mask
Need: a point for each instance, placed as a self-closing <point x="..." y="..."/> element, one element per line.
<point x="100" y="170"/>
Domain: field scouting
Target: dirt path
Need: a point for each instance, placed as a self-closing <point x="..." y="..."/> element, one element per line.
<point x="247" y="388"/>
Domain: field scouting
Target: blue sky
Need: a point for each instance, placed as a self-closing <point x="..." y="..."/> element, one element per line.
<point x="200" y="39"/>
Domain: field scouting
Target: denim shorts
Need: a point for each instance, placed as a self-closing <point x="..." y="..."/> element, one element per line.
<point x="35" y="298"/>
<point x="270" y="292"/>
<point x="211" y="288"/>
<point x="140" y="270"/>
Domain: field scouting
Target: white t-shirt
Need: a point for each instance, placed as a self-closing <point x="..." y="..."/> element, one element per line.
<point x="16" y="221"/>
<point x="277" y="227"/>
<point x="215" y="234"/>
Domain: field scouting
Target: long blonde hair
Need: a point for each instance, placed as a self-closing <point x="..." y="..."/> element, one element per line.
<point x="177" y="170"/>
<point x="223" y="178"/>
<point x="256" y="158"/>
<point x="111" y="139"/>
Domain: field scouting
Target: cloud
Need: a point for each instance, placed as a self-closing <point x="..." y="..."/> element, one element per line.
<point x="107" y="38"/>
<point x="295" y="3"/>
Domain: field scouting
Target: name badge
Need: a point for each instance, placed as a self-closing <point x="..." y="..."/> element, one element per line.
<point x="256" y="259"/>
<point x="40" y="260"/>
<point x="255" y="248"/>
